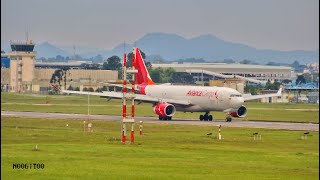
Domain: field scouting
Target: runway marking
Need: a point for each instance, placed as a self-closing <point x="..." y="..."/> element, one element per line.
<point x="236" y="123"/>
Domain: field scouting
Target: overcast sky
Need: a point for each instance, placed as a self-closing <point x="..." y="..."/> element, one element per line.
<point x="263" y="24"/>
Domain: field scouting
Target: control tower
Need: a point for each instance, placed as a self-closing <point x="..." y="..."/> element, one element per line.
<point x="22" y="63"/>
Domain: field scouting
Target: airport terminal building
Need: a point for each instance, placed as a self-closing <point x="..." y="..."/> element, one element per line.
<point x="19" y="73"/>
<point x="258" y="74"/>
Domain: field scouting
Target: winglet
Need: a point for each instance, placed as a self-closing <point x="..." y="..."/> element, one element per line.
<point x="55" y="87"/>
<point x="279" y="92"/>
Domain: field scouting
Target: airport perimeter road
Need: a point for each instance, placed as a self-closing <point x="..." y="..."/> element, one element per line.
<point x="236" y="123"/>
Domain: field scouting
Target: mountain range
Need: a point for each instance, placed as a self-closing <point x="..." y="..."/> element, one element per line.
<point x="172" y="47"/>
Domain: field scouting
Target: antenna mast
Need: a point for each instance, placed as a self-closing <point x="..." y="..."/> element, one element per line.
<point x="74" y="52"/>
<point x="27" y="37"/>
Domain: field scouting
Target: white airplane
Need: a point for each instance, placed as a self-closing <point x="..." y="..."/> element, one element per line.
<point x="167" y="99"/>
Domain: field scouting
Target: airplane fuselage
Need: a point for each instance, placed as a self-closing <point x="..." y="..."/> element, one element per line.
<point x="201" y="98"/>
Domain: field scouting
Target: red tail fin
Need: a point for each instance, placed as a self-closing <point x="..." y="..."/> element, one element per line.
<point x="143" y="76"/>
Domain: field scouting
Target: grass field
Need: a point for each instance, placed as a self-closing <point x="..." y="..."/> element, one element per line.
<point x="163" y="152"/>
<point x="289" y="112"/>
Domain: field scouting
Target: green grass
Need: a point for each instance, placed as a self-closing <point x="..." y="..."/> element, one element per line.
<point x="250" y="104"/>
<point x="165" y="151"/>
<point x="78" y="104"/>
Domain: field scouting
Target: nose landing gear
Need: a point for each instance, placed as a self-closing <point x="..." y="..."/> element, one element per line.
<point x="228" y="118"/>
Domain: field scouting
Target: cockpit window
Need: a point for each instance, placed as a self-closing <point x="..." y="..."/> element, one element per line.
<point x="235" y="95"/>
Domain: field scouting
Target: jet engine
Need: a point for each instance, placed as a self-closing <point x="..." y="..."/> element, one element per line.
<point x="241" y="112"/>
<point x="164" y="109"/>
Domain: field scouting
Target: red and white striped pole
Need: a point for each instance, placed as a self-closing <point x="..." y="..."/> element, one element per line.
<point x="140" y="128"/>
<point x="123" y="133"/>
<point x="219" y="132"/>
<point x="132" y="114"/>
<point x="124" y="106"/>
<point x="132" y="133"/>
<point x="132" y="105"/>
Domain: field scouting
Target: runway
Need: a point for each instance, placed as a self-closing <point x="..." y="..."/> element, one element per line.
<point x="234" y="123"/>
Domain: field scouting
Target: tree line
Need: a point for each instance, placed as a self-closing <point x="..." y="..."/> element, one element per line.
<point x="169" y="75"/>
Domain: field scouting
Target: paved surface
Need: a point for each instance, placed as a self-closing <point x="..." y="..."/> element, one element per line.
<point x="236" y="123"/>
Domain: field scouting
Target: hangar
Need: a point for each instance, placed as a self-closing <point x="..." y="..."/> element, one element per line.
<point x="258" y="74"/>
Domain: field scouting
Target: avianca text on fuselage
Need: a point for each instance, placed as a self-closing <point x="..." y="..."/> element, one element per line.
<point x="205" y="93"/>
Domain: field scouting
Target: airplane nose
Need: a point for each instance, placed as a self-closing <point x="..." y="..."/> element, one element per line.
<point x="238" y="102"/>
<point x="241" y="101"/>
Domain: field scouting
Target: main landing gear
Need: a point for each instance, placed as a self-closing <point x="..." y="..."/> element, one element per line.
<point x="206" y="117"/>
<point x="165" y="118"/>
<point x="228" y="118"/>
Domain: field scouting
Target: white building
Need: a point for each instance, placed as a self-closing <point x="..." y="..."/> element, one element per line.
<point x="262" y="73"/>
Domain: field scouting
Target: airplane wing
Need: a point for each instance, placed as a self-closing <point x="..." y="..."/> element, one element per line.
<point x="248" y="97"/>
<point x="117" y="85"/>
<point x="119" y="95"/>
<point x="138" y="97"/>
<point x="128" y="86"/>
<point x="116" y="95"/>
<point x="145" y="98"/>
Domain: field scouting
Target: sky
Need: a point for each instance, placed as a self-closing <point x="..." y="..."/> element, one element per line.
<point x="262" y="24"/>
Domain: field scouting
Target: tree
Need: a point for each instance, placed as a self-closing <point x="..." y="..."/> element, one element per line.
<point x="276" y="85"/>
<point x="113" y="63"/>
<point x="129" y="58"/>
<point x="182" y="77"/>
<point x="155" y="75"/>
<point x="161" y="75"/>
<point x="271" y="63"/>
<point x="60" y="58"/>
<point x="42" y="59"/>
<point x="191" y="60"/>
<point x="165" y="77"/>
<point x="251" y="89"/>
<point x="56" y="77"/>
<point x="90" y="89"/>
<point x="307" y="77"/>
<point x="286" y="81"/>
<point x="295" y="65"/>
<point x="78" y="57"/>
<point x="245" y="61"/>
<point x="105" y="88"/>
<point x="51" y="59"/>
<point x="300" y="79"/>
<point x="148" y="65"/>
<point x="155" y="59"/>
<point x="228" y="61"/>
<point x="99" y="90"/>
<point x="97" y="58"/>
<point x="70" y="88"/>
<point x="90" y="66"/>
<point x="273" y="86"/>
<point x="315" y="77"/>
